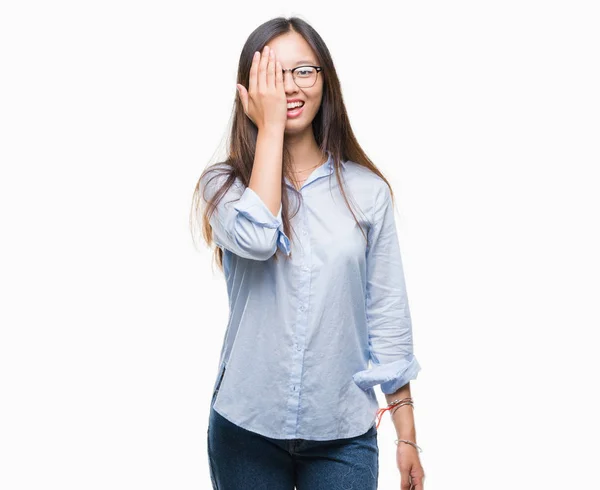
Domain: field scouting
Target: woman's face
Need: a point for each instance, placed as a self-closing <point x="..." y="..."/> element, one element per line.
<point x="292" y="50"/>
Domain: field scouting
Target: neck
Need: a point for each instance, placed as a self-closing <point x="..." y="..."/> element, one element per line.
<point x="304" y="151"/>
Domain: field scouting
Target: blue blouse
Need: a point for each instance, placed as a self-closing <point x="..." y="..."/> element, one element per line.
<point x="295" y="357"/>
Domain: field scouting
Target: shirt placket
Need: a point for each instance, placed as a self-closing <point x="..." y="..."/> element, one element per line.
<point x="301" y="325"/>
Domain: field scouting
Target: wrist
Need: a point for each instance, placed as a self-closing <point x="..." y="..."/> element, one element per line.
<point x="272" y="129"/>
<point x="400" y="442"/>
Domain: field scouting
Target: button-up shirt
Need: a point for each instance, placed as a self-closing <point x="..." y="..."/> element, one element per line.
<point x="302" y="329"/>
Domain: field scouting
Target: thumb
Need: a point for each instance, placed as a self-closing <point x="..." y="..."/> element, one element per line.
<point x="243" y="94"/>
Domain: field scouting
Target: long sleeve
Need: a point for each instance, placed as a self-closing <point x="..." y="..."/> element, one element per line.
<point x="388" y="314"/>
<point x="242" y="223"/>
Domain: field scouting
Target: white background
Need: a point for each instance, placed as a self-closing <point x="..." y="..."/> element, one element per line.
<point x="483" y="115"/>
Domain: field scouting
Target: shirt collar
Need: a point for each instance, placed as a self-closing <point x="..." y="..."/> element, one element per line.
<point x="329" y="164"/>
<point x="322" y="171"/>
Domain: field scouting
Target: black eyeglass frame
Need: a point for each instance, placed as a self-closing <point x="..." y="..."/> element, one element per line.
<point x="292" y="70"/>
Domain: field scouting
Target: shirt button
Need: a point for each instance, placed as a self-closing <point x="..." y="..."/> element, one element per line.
<point x="301" y="307"/>
<point x="304" y="232"/>
<point x="298" y="348"/>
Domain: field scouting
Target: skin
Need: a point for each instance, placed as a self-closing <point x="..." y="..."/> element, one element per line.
<point x="265" y="103"/>
<point x="269" y="109"/>
<point x="412" y="475"/>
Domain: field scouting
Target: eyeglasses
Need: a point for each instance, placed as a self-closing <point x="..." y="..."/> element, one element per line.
<point x="304" y="76"/>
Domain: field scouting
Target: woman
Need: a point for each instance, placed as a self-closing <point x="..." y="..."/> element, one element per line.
<point x="316" y="285"/>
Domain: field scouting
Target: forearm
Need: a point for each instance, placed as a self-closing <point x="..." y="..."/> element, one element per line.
<point x="403" y="417"/>
<point x="266" y="171"/>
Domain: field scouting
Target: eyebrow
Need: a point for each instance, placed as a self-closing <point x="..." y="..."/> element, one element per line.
<point x="310" y="62"/>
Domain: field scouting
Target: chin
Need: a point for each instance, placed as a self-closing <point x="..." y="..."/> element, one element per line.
<point x="294" y="128"/>
<point x="298" y="125"/>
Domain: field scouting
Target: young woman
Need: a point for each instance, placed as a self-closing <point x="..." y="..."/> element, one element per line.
<point x="315" y="283"/>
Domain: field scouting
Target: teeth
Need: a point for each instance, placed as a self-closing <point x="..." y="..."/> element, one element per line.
<point x="295" y="104"/>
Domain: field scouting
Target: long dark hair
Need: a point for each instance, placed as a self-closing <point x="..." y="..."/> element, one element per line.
<point x="331" y="128"/>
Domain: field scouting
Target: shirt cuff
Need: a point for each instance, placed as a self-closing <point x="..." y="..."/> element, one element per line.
<point x="391" y="376"/>
<point x="252" y="207"/>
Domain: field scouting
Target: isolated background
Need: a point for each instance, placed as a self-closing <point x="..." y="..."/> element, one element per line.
<point x="483" y="115"/>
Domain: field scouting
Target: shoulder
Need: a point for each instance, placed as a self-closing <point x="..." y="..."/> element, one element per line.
<point x="370" y="191"/>
<point x="219" y="181"/>
<point x="215" y="170"/>
<point x="218" y="174"/>
<point x="367" y="180"/>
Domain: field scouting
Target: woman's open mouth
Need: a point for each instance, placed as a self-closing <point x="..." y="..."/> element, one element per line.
<point x="295" y="110"/>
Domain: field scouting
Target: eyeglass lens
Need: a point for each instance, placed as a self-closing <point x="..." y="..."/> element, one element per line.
<point x="305" y="76"/>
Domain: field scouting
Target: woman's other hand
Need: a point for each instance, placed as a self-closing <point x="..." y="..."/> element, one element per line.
<point x="265" y="101"/>
<point x="412" y="475"/>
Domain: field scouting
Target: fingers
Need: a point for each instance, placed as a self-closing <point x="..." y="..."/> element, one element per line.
<point x="252" y="86"/>
<point x="264" y="100"/>
<point x="278" y="75"/>
<point x="266" y="72"/>
<point x="418" y="485"/>
<point x="405" y="479"/>
<point x="262" y="70"/>
<point x="277" y="71"/>
<point x="271" y="70"/>
<point x="243" y="93"/>
<point x="417" y="480"/>
<point x="412" y="476"/>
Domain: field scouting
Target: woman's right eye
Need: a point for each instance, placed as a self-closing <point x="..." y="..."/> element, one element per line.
<point x="304" y="72"/>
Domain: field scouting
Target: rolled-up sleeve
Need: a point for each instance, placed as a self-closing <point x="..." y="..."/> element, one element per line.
<point x="242" y="223"/>
<point x="387" y="310"/>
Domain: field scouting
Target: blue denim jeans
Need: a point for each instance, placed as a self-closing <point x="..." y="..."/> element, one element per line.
<point x="243" y="460"/>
